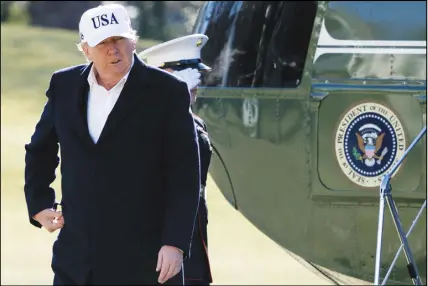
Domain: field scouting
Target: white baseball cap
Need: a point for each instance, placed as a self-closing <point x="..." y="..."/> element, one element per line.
<point x="177" y="52"/>
<point x="104" y="21"/>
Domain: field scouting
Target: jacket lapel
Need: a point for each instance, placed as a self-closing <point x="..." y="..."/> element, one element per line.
<point x="128" y="99"/>
<point x="80" y="102"/>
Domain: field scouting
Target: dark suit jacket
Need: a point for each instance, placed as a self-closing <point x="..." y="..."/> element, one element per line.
<point x="133" y="191"/>
<point x="198" y="269"/>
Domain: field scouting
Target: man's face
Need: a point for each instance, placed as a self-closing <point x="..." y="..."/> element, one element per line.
<point x="112" y="56"/>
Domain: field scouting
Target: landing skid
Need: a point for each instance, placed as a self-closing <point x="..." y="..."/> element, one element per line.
<point x="385" y="194"/>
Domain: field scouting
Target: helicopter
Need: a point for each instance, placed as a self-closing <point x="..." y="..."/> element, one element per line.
<point x="308" y="105"/>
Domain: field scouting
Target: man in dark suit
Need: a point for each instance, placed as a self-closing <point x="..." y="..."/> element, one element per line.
<point x="130" y="163"/>
<point x="182" y="57"/>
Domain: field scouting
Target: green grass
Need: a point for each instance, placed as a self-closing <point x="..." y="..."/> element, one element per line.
<point x="30" y="55"/>
<point x="239" y="253"/>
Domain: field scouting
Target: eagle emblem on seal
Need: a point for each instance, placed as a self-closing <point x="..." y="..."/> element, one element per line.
<point x="370" y="138"/>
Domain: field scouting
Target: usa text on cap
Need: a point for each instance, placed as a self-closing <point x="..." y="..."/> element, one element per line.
<point x="181" y="52"/>
<point x="104" y="21"/>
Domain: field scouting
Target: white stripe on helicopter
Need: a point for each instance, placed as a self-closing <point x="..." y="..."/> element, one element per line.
<point x="328" y="45"/>
<point x="326" y="40"/>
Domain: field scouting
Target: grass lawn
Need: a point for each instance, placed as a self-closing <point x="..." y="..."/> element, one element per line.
<point x="240" y="254"/>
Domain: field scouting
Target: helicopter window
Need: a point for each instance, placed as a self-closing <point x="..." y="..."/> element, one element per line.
<point x="286" y="45"/>
<point x="332" y="66"/>
<point x="377" y="20"/>
<point x="258" y="44"/>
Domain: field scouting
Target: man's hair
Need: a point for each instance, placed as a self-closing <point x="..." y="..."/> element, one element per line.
<point x="80" y="45"/>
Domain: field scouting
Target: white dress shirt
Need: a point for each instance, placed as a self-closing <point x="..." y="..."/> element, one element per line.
<point x="101" y="103"/>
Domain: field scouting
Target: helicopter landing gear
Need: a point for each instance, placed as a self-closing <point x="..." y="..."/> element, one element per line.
<point x="385" y="194"/>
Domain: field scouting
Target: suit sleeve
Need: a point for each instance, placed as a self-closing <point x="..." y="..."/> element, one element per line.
<point x="182" y="172"/>
<point x="41" y="161"/>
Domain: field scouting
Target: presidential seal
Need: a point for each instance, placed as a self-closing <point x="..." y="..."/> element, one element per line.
<point x="369" y="141"/>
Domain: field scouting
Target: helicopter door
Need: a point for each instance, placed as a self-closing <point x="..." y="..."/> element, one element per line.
<point x="369" y="77"/>
<point x="253" y="100"/>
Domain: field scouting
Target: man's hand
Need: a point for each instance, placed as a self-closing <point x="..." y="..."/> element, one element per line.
<point x="190" y="76"/>
<point x="170" y="260"/>
<point x="50" y="219"/>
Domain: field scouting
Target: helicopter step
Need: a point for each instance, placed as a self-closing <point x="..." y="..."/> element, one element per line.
<point x="386" y="194"/>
